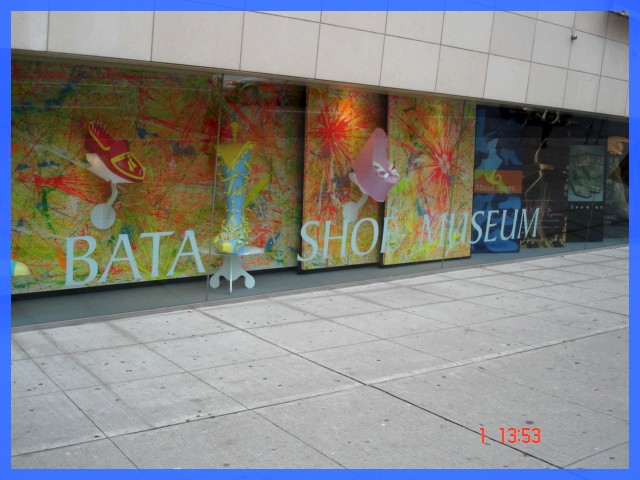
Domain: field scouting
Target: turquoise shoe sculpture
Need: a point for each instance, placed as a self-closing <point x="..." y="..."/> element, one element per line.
<point x="235" y="157"/>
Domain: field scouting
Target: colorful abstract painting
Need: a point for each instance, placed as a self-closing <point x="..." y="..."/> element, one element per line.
<point x="497" y="182"/>
<point x="271" y="116"/>
<point x="338" y="125"/>
<point x="428" y="213"/>
<point x="111" y="173"/>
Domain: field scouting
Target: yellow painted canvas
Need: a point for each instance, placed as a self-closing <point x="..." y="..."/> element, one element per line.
<point x="428" y="212"/>
<point x="338" y="125"/>
<point x="111" y="173"/>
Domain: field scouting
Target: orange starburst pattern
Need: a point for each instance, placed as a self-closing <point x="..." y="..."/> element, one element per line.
<point x="432" y="144"/>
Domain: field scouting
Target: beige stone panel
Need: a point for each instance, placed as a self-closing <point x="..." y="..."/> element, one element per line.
<point x="369" y="21"/>
<point x="586" y="53"/>
<point x="29" y="30"/>
<point x="546" y="85"/>
<point x="552" y="45"/>
<point x="594" y="23"/>
<point x="279" y="45"/>
<point x="210" y="39"/>
<point x="616" y="60"/>
<point x="512" y="35"/>
<point x="425" y="26"/>
<point x="461" y="72"/>
<point x="506" y="79"/>
<point x="612" y="96"/>
<point x="409" y="64"/>
<point x="469" y="30"/>
<point x="103" y="34"/>
<point x="581" y="92"/>
<point x="349" y="55"/>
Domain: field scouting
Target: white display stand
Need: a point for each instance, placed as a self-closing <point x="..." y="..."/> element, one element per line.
<point x="231" y="268"/>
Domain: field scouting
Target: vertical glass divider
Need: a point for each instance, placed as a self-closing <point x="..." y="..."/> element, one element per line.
<point x="215" y="182"/>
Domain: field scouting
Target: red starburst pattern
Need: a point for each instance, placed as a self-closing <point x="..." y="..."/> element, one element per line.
<point x="331" y="129"/>
<point x="432" y="144"/>
<point x="338" y="124"/>
<point x="436" y="131"/>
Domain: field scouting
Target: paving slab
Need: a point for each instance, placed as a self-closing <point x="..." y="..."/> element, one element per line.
<point x="216" y="350"/>
<point x="376" y="361"/>
<point x="258" y="313"/>
<point x="527" y="330"/>
<point x="390" y="323"/>
<point x="330" y="306"/>
<point x="167" y="326"/>
<point x="601" y="388"/>
<point x="614" y="458"/>
<point x="113" y="365"/>
<point x="244" y="440"/>
<point x="555" y="276"/>
<point x="36" y="343"/>
<point x="99" y="454"/>
<point x="48" y="421"/>
<point x="420" y="280"/>
<point x="27" y="379"/>
<point x="150" y="403"/>
<point x="616" y="304"/>
<point x="460" y="312"/>
<point x="312" y="335"/>
<point x="457" y="289"/>
<point x="622" y="264"/>
<point x="469" y="273"/>
<point x="325" y="292"/>
<point x="17" y="353"/>
<point x="610" y="349"/>
<point x="89" y="336"/>
<point x="475" y="399"/>
<point x="364" y="288"/>
<point x="67" y="372"/>
<point x="617" y="285"/>
<point x="274" y="380"/>
<point x="515" y="267"/>
<point x="601" y="271"/>
<point x="458" y="344"/>
<point x="552" y="262"/>
<point x="588" y="257"/>
<point x="366" y="428"/>
<point x="571" y="293"/>
<point x="518" y="302"/>
<point x="583" y="317"/>
<point x="511" y="282"/>
<point x="401" y="297"/>
<point x="620" y="252"/>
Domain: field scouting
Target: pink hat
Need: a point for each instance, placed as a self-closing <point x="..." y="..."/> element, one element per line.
<point x="374" y="174"/>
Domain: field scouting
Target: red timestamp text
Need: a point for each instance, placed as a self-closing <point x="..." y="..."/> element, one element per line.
<point x="515" y="435"/>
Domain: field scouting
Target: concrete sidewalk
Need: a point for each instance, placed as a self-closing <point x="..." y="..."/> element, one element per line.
<point x="402" y="373"/>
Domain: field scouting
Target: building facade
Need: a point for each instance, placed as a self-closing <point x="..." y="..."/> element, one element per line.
<point x="155" y="146"/>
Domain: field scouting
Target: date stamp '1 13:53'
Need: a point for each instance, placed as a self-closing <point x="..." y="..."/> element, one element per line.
<point x="516" y="435"/>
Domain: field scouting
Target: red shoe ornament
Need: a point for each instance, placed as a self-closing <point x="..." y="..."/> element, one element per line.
<point x="115" y="154"/>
